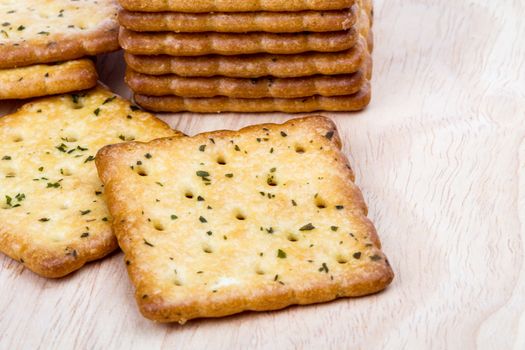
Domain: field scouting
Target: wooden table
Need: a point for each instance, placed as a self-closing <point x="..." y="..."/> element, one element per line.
<point x="440" y="157"/>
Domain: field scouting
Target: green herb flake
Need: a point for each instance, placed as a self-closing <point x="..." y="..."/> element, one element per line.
<point x="160" y="184"/>
<point x="283" y="134"/>
<point x="109" y="99"/>
<point x="281" y="254"/>
<point x="307" y="227"/>
<point x="202" y="148"/>
<point x="229" y="175"/>
<point x="85" y="212"/>
<point x="324" y="268"/>
<point x="96" y="111"/>
<point x="375" y="257"/>
<point x="200" y="199"/>
<point x="84" y="235"/>
<point x="237" y="148"/>
<point x="148" y="156"/>
<point x="357" y="255"/>
<point x="209" y="233"/>
<point x="6" y="158"/>
<point x="203" y="220"/>
<point x="294" y="203"/>
<point x="53" y="185"/>
<point x="329" y="135"/>
<point x="148" y="243"/>
<point x="174" y="217"/>
<point x="334" y="228"/>
<point x="89" y="159"/>
<point x="44" y="219"/>
<point x="20" y="28"/>
<point x="339" y="207"/>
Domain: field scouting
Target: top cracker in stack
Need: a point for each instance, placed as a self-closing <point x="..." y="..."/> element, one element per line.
<point x="218" y="56"/>
<point x="42" y="44"/>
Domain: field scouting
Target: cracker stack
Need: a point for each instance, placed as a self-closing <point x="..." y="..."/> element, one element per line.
<point x="44" y="44"/>
<point x="212" y="56"/>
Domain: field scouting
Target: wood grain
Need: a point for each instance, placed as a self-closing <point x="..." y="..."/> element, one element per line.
<point x="440" y="156"/>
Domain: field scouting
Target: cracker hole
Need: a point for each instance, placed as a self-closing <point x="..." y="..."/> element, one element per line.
<point x="320" y="203"/>
<point x="66" y="172"/>
<point x="141" y="171"/>
<point x="10" y="174"/>
<point x="221" y="160"/>
<point x="70" y="139"/>
<point x="292" y="237"/>
<point x="240" y="216"/>
<point x="272" y="181"/>
<point x="178" y="283"/>
<point x="259" y="271"/>
<point x="18" y="139"/>
<point x="341" y="259"/>
<point x="300" y="149"/>
<point x="188" y="194"/>
<point x="207" y="249"/>
<point x="158" y="226"/>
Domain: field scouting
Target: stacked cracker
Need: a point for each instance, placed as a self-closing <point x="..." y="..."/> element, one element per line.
<point x="248" y="56"/>
<point x="44" y="44"/>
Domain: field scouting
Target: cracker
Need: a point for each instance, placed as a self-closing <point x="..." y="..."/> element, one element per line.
<point x="348" y="103"/>
<point x="336" y="85"/>
<point x="196" y="6"/>
<point x="252" y="66"/>
<point x="256" y="219"/>
<point x="198" y="44"/>
<point x="53" y="216"/>
<point x="240" y="22"/>
<point x="47" y="79"/>
<point x="35" y="31"/>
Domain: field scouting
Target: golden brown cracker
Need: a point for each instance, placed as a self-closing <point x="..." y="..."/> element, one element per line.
<point x="349" y="103"/>
<point x="228" y="221"/>
<point x="35" y="31"/>
<point x="240" y="22"/>
<point x="252" y="66"/>
<point x="335" y="85"/>
<point x="199" y="6"/>
<point x="53" y="216"/>
<point x="198" y="44"/>
<point x="47" y="79"/>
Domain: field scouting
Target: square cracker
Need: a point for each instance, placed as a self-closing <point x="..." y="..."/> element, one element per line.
<point x="53" y="217"/>
<point x="240" y="22"/>
<point x="47" y="79"/>
<point x="227" y="221"/>
<point x="37" y="31"/>
<point x="336" y="85"/>
<point x="199" y="6"/>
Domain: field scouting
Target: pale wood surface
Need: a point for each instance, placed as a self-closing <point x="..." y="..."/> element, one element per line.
<point x="440" y="156"/>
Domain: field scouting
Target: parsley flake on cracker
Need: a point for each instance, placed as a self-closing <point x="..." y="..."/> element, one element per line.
<point x="53" y="216"/>
<point x="228" y="221"/>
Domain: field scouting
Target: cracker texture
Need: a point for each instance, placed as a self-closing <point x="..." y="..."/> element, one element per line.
<point x="252" y="66"/>
<point x="196" y="44"/>
<point x="343" y="84"/>
<point x="196" y="6"/>
<point x="47" y="79"/>
<point x="274" y="22"/>
<point x="347" y="103"/>
<point x="53" y="216"/>
<point x="35" y="31"/>
<point x="228" y="221"/>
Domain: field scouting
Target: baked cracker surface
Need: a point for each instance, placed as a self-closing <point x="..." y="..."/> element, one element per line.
<point x="53" y="216"/>
<point x="47" y="79"/>
<point x="37" y="31"/>
<point x="197" y="6"/>
<point x="228" y="221"/>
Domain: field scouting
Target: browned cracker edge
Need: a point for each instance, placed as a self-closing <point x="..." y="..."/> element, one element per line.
<point x="81" y="75"/>
<point x="27" y="53"/>
<point x="45" y="262"/>
<point x="240" y="22"/>
<point x="196" y="6"/>
<point x="273" y="298"/>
